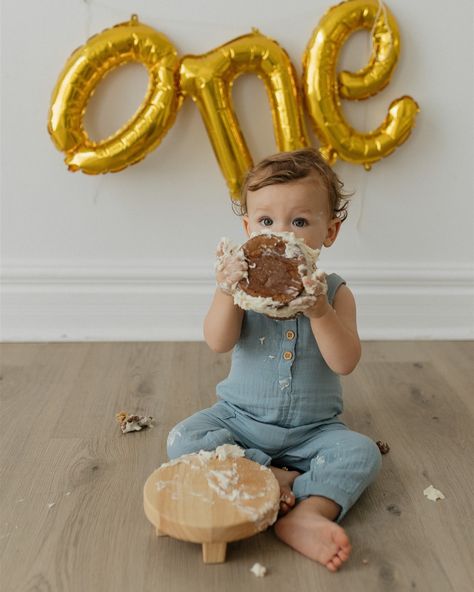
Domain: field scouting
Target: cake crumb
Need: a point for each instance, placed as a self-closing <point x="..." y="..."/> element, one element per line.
<point x="365" y="561"/>
<point x="229" y="451"/>
<point x="258" y="570"/>
<point x="133" y="423"/>
<point x="433" y="494"/>
<point x="222" y="452"/>
<point x="383" y="447"/>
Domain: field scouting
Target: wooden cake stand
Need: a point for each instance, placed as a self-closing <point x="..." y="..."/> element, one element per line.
<point x="211" y="498"/>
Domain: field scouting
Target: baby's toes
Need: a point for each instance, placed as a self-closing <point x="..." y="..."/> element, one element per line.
<point x="334" y="564"/>
<point x="343" y="554"/>
<point x="287" y="501"/>
<point x="341" y="539"/>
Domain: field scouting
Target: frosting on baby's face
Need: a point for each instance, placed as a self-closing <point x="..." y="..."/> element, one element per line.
<point x="300" y="206"/>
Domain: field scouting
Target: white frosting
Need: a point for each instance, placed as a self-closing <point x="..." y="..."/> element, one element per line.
<point x="433" y="494"/>
<point x="225" y="483"/>
<point x="229" y="451"/>
<point x="229" y="253"/>
<point x="296" y="247"/>
<point x="258" y="570"/>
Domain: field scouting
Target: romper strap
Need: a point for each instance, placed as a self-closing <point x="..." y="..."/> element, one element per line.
<point x="334" y="282"/>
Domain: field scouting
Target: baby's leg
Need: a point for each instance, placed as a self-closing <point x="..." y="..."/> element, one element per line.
<point x="341" y="465"/>
<point x="208" y="429"/>
<point x="309" y="528"/>
<point x="205" y="430"/>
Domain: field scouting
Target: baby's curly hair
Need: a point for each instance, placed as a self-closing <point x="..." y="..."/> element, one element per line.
<point x="285" y="167"/>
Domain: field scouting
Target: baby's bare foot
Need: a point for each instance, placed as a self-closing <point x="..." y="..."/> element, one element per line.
<point x="314" y="535"/>
<point x="285" y="480"/>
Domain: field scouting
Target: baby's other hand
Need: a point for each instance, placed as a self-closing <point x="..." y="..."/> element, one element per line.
<point x="319" y="308"/>
<point x="316" y="283"/>
<point x="304" y="301"/>
<point x="315" y="301"/>
<point x="231" y="266"/>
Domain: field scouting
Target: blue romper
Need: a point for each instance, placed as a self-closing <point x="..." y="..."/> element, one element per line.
<point x="281" y="403"/>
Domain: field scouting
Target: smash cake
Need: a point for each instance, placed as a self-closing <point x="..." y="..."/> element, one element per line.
<point x="273" y="284"/>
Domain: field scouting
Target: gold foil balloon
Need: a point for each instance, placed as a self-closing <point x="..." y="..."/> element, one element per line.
<point x="323" y="89"/>
<point x="208" y="79"/>
<point x="84" y="70"/>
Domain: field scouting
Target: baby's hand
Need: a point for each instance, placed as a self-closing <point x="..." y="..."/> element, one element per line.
<point x="304" y="301"/>
<point x="314" y="301"/>
<point x="316" y="283"/>
<point x="231" y="266"/>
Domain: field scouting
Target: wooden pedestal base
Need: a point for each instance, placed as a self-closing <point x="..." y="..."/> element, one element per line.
<point x="211" y="501"/>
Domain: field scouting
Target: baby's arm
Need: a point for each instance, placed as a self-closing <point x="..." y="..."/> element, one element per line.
<point x="223" y="321"/>
<point x="335" y="330"/>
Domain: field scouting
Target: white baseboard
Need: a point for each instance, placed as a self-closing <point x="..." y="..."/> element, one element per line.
<point x="168" y="301"/>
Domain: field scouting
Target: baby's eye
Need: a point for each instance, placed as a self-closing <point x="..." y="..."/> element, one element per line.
<point x="266" y="221"/>
<point x="300" y="222"/>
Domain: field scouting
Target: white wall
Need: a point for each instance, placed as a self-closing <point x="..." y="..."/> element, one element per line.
<point x="130" y="255"/>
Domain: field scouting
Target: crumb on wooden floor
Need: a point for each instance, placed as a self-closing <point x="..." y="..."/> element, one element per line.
<point x="383" y="447"/>
<point x="133" y="423"/>
<point x="433" y="494"/>
<point x="258" y="570"/>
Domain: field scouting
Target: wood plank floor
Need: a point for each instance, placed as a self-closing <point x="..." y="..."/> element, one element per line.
<point x="60" y="445"/>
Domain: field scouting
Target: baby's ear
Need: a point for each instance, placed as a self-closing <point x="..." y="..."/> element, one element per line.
<point x="333" y="230"/>
<point x="246" y="224"/>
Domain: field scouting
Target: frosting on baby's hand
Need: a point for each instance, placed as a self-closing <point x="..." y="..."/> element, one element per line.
<point x="315" y="283"/>
<point x="230" y="265"/>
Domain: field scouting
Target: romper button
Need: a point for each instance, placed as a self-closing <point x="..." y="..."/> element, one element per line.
<point x="287" y="355"/>
<point x="290" y="335"/>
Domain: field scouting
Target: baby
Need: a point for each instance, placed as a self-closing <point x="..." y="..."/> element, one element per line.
<point x="282" y="399"/>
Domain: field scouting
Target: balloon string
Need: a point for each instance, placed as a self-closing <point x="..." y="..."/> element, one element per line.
<point x="381" y="8"/>
<point x="97" y="190"/>
<point x="88" y="22"/>
<point x="362" y="194"/>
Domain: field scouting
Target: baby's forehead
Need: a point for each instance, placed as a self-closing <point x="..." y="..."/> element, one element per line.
<point x="306" y="191"/>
